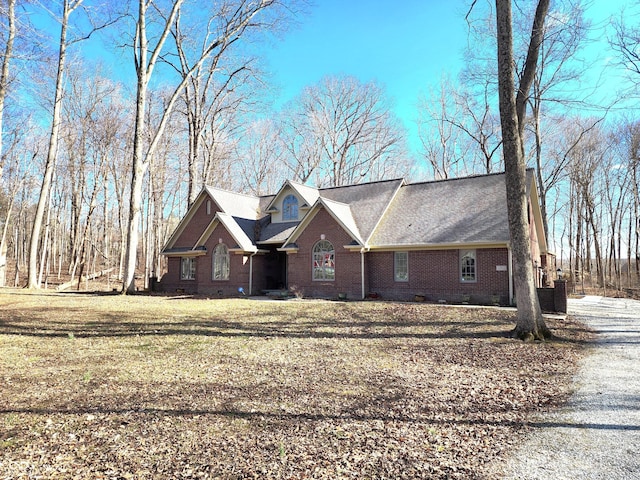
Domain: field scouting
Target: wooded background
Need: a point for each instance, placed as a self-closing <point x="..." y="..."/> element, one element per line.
<point x="98" y="164"/>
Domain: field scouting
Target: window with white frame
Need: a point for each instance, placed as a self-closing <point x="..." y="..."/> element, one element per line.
<point x="468" y="271"/>
<point x="187" y="268"/>
<point x="324" y="265"/>
<point x="401" y="266"/>
<point x="220" y="262"/>
<point x="290" y="208"/>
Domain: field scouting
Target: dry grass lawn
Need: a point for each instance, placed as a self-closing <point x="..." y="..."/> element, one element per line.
<point x="102" y="386"/>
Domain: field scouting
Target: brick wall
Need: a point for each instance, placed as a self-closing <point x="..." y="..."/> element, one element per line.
<point x="203" y="283"/>
<point x="171" y="282"/>
<point x="436" y="275"/>
<point x="197" y="225"/>
<point x="347" y="271"/>
<point x="238" y="270"/>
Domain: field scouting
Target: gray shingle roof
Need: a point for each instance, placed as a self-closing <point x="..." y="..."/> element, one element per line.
<point x="368" y="201"/>
<point x="236" y="204"/>
<point x="276" y="232"/>
<point x="344" y="213"/>
<point x="456" y="211"/>
<point x="389" y="213"/>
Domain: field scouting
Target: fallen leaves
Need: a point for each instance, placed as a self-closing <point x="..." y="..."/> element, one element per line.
<point x="154" y="387"/>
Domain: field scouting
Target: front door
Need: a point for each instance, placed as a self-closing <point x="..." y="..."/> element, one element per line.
<point x="276" y="270"/>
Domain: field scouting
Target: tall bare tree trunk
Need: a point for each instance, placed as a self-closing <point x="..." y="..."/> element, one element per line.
<point x="4" y="82"/>
<point x="139" y="167"/>
<point x="530" y="324"/>
<point x="34" y="242"/>
<point x="145" y="58"/>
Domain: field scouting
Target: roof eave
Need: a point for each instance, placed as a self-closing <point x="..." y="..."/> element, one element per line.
<point x="439" y="246"/>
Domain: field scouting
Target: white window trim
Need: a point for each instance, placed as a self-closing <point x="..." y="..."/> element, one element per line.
<point x="396" y="264"/>
<point x="290" y="218"/>
<point x="323" y="268"/>
<point x="463" y="254"/>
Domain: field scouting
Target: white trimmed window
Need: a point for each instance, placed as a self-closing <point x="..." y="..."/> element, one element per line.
<point x="290" y="208"/>
<point x="401" y="266"/>
<point x="220" y="262"/>
<point x="324" y="265"/>
<point x="468" y="271"/>
<point x="187" y="268"/>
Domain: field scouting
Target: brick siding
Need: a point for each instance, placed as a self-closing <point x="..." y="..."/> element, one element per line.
<point x="197" y="225"/>
<point x="435" y="274"/>
<point x="347" y="271"/>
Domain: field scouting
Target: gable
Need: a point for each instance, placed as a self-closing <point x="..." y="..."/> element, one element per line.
<point x="236" y="204"/>
<point x="534" y="204"/>
<point x="340" y="212"/>
<point x="304" y="197"/>
<point x="242" y="241"/>
<point x="368" y="202"/>
<point x="194" y="222"/>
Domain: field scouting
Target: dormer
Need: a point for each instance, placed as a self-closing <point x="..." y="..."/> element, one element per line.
<point x="292" y="203"/>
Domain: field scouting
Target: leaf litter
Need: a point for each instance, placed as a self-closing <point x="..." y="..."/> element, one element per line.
<point x="113" y="387"/>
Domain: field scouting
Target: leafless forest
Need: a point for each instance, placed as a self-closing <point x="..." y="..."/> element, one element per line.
<point x="100" y="158"/>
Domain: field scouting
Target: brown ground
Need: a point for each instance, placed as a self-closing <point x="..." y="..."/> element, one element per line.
<point x="102" y="386"/>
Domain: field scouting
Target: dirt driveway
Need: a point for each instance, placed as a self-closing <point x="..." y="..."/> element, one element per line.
<point x="597" y="435"/>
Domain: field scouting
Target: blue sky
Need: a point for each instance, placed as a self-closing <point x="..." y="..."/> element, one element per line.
<point x="405" y="46"/>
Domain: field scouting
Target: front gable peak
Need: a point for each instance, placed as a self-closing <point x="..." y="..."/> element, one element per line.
<point x="291" y="202"/>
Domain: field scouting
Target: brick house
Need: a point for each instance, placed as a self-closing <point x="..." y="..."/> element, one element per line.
<point x="445" y="240"/>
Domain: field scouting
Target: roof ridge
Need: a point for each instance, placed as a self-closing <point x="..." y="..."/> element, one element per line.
<point x="224" y="190"/>
<point x="453" y="179"/>
<point x="361" y="184"/>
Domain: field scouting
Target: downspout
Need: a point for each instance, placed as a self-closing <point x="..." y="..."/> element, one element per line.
<point x="510" y="267"/>
<point x="363" y="250"/>
<point x="251" y="273"/>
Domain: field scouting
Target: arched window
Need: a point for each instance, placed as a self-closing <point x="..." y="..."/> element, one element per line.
<point x="468" y="265"/>
<point x="220" y="262"/>
<point x="290" y="208"/>
<point x="324" y="261"/>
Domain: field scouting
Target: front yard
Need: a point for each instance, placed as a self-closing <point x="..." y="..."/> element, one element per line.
<point x="102" y="386"/>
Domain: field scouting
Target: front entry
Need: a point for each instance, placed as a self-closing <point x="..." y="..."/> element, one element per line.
<point x="275" y="270"/>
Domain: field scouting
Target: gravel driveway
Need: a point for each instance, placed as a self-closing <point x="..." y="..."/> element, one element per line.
<point x="597" y="435"/>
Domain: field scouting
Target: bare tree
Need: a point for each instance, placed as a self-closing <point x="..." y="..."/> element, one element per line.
<point x="213" y="97"/>
<point x="626" y="40"/>
<point x="237" y="17"/>
<point x="10" y="16"/>
<point x="261" y="156"/>
<point x="558" y="67"/>
<point x="354" y="134"/>
<point x="442" y="146"/>
<point x="68" y="7"/>
<point x="530" y="323"/>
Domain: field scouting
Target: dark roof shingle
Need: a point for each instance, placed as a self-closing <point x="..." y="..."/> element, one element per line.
<point x="446" y="212"/>
<point x="368" y="201"/>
